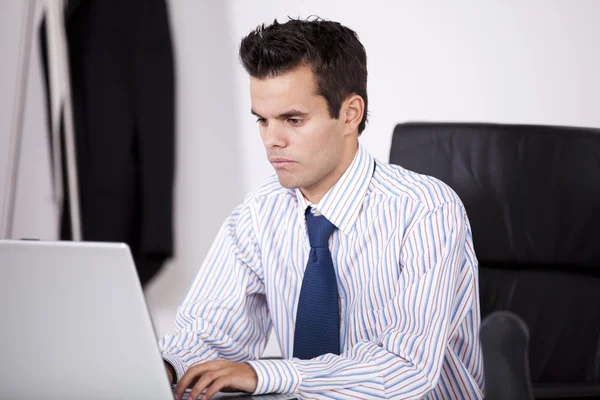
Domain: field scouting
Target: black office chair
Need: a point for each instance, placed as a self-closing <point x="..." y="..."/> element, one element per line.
<point x="505" y="343"/>
<point x="532" y="194"/>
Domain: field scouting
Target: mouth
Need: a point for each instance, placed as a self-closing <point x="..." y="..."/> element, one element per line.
<point x="280" y="162"/>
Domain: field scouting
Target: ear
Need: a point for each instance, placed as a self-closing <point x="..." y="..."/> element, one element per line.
<point x="353" y="109"/>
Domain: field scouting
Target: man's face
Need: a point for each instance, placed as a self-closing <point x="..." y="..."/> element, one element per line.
<point x="308" y="149"/>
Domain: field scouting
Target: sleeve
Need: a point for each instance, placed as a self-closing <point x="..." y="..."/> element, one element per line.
<point x="224" y="315"/>
<point x="405" y="359"/>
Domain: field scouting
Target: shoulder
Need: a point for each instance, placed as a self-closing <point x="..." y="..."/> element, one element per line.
<point x="427" y="192"/>
<point x="262" y="203"/>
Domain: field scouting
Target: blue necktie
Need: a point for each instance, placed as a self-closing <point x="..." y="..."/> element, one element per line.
<point x="318" y="317"/>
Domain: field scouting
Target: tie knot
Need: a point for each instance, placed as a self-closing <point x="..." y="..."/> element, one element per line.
<point x="319" y="229"/>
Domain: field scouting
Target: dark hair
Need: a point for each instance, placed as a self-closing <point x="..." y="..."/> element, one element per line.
<point x="334" y="53"/>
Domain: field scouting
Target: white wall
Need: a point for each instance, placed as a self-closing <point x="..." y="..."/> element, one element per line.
<point x="511" y="61"/>
<point x="210" y="179"/>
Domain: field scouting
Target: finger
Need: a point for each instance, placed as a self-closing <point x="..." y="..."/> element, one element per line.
<point x="206" y="380"/>
<point x="189" y="378"/>
<point x="219" y="384"/>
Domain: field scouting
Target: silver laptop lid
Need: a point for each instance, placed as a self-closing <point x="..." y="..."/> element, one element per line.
<point x="74" y="324"/>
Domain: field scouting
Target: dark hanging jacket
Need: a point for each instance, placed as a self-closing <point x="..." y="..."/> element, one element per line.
<point x="122" y="82"/>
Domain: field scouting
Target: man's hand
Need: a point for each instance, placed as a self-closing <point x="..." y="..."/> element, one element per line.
<point x="215" y="376"/>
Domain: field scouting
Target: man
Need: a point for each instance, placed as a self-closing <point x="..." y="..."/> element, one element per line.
<point x="366" y="271"/>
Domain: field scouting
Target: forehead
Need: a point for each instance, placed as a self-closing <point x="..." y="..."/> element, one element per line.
<point x="292" y="89"/>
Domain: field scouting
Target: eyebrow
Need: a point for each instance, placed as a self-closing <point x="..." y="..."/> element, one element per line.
<point x="285" y="115"/>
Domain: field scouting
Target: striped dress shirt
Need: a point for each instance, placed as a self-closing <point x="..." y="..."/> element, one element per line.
<point x="407" y="279"/>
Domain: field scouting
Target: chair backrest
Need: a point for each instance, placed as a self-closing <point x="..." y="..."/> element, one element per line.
<point x="505" y="343"/>
<point x="532" y="194"/>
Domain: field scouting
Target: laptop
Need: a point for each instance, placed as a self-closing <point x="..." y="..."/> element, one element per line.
<point x="74" y="324"/>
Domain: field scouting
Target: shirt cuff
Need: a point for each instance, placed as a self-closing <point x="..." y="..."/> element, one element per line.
<point x="276" y="376"/>
<point x="177" y="363"/>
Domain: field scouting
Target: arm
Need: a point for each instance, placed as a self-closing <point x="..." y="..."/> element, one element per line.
<point x="224" y="315"/>
<point x="404" y="360"/>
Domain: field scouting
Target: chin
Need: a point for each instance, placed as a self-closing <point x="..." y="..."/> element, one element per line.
<point x="288" y="183"/>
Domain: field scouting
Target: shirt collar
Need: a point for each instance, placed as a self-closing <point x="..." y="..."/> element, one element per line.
<point x="342" y="203"/>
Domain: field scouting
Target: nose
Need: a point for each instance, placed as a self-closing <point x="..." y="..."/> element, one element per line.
<point x="273" y="135"/>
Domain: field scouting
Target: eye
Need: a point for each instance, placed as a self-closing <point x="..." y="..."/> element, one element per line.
<point x="262" y="121"/>
<point x="295" y="121"/>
